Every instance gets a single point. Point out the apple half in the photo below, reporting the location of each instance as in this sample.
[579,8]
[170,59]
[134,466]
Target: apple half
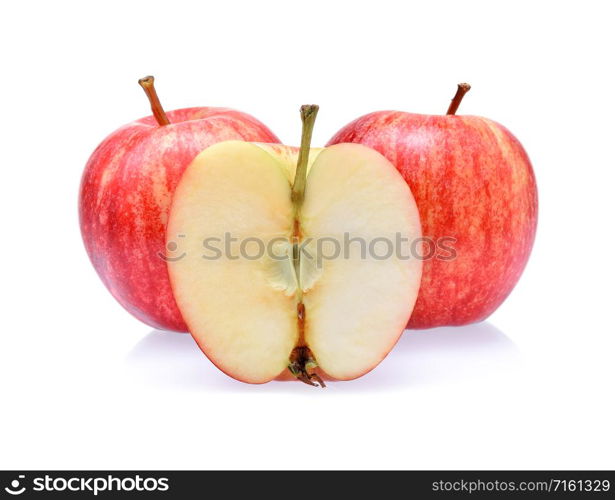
[260,284]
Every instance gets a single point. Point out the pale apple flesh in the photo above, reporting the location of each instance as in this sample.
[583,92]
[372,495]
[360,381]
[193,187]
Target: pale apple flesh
[253,317]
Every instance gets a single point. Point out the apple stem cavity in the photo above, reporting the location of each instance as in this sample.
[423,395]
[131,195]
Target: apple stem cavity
[147,83]
[462,89]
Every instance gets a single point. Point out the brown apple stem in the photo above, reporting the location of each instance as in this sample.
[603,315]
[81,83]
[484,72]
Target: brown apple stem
[308,117]
[462,89]
[147,83]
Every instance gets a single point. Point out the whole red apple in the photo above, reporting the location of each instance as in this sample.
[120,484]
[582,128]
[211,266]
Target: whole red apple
[476,192]
[126,192]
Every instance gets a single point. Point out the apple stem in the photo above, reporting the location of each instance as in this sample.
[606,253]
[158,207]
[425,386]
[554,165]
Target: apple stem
[308,117]
[462,89]
[147,83]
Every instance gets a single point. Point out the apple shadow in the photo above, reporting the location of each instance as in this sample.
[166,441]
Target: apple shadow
[420,358]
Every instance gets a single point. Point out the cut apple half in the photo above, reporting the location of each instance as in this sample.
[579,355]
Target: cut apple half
[294,259]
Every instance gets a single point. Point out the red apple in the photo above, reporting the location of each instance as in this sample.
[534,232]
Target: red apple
[289,307]
[126,192]
[472,181]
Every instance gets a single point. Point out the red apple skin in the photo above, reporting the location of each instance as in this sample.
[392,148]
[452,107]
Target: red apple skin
[125,197]
[473,181]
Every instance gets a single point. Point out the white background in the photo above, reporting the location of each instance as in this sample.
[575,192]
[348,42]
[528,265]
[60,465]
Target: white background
[84,385]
